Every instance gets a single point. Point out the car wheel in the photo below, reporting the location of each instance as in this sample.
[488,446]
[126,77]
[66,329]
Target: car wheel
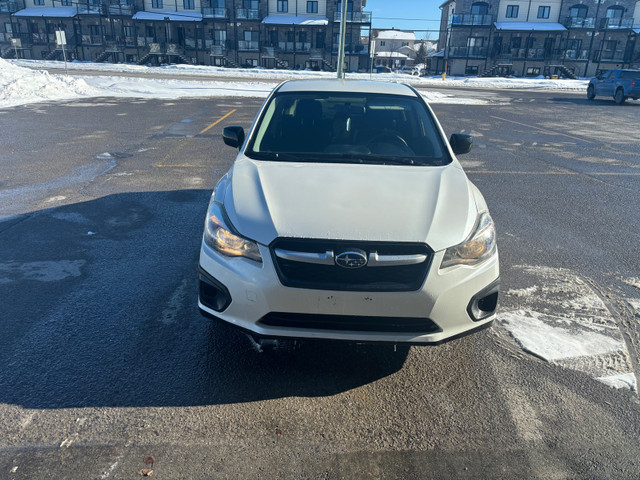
[591,93]
[619,96]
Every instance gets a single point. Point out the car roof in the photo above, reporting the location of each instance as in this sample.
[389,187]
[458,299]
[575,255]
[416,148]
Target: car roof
[349,86]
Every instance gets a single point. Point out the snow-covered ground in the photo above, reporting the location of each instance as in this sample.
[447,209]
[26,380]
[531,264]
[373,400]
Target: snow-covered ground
[24,81]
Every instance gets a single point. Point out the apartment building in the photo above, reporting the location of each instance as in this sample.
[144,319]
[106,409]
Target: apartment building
[235,33]
[538,37]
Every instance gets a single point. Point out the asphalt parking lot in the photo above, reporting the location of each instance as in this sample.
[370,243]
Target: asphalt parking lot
[105,361]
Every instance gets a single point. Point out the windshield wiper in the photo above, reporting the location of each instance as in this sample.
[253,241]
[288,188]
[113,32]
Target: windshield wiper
[378,159]
[277,156]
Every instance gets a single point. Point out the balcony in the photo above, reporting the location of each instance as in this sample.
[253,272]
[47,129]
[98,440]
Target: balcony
[579,22]
[120,9]
[301,47]
[144,41]
[351,49]
[8,7]
[616,23]
[468,52]
[114,46]
[89,9]
[608,56]
[356,17]
[249,45]
[92,39]
[470,20]
[576,55]
[247,14]
[210,12]
[218,51]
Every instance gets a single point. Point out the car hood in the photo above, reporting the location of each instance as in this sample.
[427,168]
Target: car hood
[265,200]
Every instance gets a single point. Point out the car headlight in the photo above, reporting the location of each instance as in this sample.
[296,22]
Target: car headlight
[222,237]
[480,245]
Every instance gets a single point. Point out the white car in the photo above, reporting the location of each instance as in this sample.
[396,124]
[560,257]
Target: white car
[347,216]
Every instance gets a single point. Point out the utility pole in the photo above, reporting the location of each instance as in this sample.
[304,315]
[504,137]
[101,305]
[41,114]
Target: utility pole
[343,33]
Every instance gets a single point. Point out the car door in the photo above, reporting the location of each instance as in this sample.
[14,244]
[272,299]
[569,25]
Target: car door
[605,85]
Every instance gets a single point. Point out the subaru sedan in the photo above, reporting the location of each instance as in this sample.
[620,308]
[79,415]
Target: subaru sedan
[346,216]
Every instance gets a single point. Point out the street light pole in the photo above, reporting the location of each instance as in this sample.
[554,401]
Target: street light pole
[343,33]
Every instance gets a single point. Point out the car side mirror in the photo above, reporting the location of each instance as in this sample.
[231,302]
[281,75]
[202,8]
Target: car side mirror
[461,143]
[233,136]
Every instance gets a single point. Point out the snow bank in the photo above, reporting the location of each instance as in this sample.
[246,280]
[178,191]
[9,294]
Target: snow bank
[20,85]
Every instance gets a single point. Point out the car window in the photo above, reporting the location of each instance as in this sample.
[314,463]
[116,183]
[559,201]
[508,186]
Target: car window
[333,126]
[629,75]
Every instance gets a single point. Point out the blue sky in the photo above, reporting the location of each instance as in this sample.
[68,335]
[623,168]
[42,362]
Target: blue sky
[416,13]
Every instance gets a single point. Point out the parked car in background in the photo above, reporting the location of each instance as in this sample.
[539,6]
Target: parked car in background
[347,216]
[382,69]
[619,84]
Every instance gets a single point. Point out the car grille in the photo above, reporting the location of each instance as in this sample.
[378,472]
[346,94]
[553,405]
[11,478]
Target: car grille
[370,278]
[350,322]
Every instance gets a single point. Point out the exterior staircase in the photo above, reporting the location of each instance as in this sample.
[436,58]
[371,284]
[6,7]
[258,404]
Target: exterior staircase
[497,70]
[103,56]
[566,72]
[9,53]
[144,59]
[328,66]
[54,55]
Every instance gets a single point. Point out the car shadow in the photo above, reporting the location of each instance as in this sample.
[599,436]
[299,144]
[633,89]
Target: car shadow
[98,308]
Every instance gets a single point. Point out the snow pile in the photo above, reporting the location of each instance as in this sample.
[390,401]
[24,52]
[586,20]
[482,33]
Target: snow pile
[20,85]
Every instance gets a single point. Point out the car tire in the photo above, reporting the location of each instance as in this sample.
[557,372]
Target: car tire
[591,93]
[619,96]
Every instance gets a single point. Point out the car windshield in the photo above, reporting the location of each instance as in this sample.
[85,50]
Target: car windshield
[347,128]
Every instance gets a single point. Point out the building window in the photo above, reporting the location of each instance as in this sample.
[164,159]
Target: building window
[8,28]
[479,8]
[251,36]
[188,4]
[574,44]
[543,12]
[302,37]
[66,3]
[312,7]
[283,6]
[95,30]
[128,31]
[578,11]
[291,37]
[471,70]
[516,42]
[156,4]
[405,44]
[38,2]
[382,43]
[320,39]
[219,37]
[615,12]
[533,71]
[512,11]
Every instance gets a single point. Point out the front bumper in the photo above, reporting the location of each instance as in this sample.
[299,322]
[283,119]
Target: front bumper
[449,304]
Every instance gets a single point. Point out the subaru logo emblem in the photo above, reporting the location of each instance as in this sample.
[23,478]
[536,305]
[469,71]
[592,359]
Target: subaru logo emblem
[351,259]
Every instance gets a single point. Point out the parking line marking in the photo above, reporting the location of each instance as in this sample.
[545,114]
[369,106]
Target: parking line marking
[180,145]
[218,121]
[542,129]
